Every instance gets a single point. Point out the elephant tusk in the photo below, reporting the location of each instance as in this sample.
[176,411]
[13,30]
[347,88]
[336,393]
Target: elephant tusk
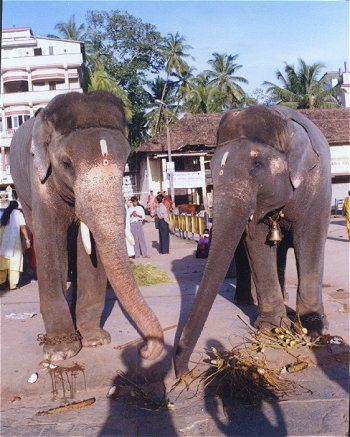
[251,217]
[85,236]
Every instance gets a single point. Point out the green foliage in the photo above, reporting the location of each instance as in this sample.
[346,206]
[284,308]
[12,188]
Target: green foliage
[223,77]
[124,53]
[300,88]
[131,50]
[70,30]
[102,81]
[174,51]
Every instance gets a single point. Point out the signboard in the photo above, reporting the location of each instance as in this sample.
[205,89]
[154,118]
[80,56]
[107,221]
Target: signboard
[183,179]
[170,167]
[340,163]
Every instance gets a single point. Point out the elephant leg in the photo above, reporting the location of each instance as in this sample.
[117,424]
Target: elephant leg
[50,243]
[263,263]
[91,296]
[243,277]
[309,252]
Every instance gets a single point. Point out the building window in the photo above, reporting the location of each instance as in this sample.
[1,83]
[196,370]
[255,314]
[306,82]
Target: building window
[52,85]
[50,50]
[15,121]
[8,123]
[38,52]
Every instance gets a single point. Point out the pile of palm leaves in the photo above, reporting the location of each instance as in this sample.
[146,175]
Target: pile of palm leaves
[247,374]
[148,274]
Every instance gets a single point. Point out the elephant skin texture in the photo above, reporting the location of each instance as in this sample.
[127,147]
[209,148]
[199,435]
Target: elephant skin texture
[67,164]
[268,160]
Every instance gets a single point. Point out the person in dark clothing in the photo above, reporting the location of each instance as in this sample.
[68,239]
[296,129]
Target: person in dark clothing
[203,245]
[162,214]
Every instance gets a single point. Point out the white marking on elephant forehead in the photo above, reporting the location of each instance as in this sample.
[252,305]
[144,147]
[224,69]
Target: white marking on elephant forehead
[104,148]
[224,159]
[277,166]
[253,153]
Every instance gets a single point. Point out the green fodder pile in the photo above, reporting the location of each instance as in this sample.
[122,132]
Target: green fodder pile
[148,274]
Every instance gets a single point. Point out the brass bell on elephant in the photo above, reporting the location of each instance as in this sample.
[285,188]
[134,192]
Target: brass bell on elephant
[275,233]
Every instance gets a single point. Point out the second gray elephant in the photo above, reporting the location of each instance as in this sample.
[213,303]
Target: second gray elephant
[67,164]
[268,160]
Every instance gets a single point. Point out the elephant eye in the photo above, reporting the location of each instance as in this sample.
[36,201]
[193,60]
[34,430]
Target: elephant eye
[66,163]
[256,166]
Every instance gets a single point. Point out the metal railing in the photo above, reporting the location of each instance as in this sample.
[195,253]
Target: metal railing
[189,226]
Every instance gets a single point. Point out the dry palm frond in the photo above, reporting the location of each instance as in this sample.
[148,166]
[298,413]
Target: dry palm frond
[148,274]
[247,377]
[245,371]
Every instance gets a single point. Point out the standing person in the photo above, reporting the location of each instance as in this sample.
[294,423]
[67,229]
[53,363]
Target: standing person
[137,216]
[163,225]
[151,203]
[129,238]
[203,245]
[347,213]
[11,251]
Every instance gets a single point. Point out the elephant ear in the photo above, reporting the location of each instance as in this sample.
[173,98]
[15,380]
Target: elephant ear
[304,146]
[41,136]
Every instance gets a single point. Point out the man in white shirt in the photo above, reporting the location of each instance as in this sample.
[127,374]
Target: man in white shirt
[137,216]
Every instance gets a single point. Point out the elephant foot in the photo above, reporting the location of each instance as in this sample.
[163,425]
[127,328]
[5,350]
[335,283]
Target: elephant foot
[315,323]
[99,337]
[62,351]
[269,321]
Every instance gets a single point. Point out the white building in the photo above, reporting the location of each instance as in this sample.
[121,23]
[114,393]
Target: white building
[33,70]
[341,78]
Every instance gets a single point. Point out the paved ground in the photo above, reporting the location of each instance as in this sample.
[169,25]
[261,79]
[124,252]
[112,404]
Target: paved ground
[320,408]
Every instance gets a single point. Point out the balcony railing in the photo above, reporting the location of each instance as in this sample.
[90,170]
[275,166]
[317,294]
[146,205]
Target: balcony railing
[72,60]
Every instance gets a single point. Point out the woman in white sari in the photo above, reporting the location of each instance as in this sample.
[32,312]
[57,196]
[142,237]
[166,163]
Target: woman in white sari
[11,251]
[129,238]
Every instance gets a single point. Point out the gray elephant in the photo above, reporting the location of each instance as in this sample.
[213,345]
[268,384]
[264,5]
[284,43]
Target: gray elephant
[67,164]
[268,160]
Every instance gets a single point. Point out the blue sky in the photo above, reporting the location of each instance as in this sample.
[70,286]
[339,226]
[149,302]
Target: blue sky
[265,34]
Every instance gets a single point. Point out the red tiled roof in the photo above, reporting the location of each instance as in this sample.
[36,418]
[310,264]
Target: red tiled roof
[200,129]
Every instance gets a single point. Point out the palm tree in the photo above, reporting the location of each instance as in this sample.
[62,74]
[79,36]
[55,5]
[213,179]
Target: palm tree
[100,80]
[223,77]
[183,87]
[155,122]
[70,30]
[301,88]
[175,52]
[204,97]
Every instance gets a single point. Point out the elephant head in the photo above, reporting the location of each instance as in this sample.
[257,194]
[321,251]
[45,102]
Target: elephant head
[261,160]
[79,148]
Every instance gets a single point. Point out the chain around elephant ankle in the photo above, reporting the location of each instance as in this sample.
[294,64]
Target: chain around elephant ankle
[58,339]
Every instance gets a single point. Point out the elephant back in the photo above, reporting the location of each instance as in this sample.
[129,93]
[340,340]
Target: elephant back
[258,124]
[71,111]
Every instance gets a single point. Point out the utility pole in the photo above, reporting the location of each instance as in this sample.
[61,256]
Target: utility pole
[170,166]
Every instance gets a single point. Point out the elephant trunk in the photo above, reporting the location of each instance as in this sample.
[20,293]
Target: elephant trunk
[230,219]
[105,218]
